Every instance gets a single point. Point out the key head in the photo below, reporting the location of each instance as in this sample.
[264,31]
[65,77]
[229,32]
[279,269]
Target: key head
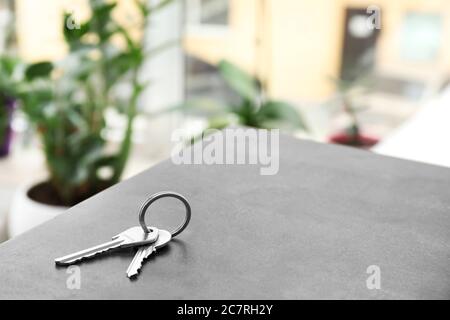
[164,238]
[135,236]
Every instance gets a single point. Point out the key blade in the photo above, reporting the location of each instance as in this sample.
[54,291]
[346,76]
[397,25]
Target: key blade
[149,251]
[134,236]
[144,252]
[136,263]
[90,252]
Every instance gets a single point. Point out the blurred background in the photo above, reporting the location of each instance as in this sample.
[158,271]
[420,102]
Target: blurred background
[91,91]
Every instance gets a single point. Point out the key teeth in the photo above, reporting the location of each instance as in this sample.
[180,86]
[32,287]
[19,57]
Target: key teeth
[134,273]
[61,262]
[136,264]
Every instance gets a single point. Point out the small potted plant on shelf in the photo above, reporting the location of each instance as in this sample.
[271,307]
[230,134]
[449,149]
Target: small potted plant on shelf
[8,82]
[254,107]
[66,103]
[347,92]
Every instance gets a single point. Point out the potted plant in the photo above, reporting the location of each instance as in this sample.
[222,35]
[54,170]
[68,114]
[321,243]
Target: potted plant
[254,108]
[8,68]
[348,92]
[66,102]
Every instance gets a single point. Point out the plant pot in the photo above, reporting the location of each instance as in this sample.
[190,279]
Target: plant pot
[6,134]
[27,212]
[361,141]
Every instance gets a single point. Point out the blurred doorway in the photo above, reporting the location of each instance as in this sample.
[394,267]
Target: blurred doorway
[359,44]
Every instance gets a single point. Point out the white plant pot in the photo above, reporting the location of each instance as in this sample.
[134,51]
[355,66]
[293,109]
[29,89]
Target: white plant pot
[26,213]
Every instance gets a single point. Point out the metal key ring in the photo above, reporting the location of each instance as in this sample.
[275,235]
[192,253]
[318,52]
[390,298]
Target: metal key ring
[160,195]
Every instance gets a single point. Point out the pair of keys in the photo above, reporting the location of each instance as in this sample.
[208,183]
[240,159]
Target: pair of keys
[147,239]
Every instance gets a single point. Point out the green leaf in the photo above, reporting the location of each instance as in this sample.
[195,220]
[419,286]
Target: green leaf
[278,114]
[132,46]
[8,65]
[73,35]
[244,84]
[218,123]
[39,70]
[101,22]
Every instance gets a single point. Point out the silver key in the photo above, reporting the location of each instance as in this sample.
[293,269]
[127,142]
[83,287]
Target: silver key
[129,238]
[145,251]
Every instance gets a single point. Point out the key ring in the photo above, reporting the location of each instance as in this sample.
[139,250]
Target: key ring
[160,195]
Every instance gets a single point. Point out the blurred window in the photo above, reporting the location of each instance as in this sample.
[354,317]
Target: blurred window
[207,12]
[421,37]
[410,89]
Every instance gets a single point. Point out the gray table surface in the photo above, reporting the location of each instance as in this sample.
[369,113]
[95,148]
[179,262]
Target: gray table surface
[309,232]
